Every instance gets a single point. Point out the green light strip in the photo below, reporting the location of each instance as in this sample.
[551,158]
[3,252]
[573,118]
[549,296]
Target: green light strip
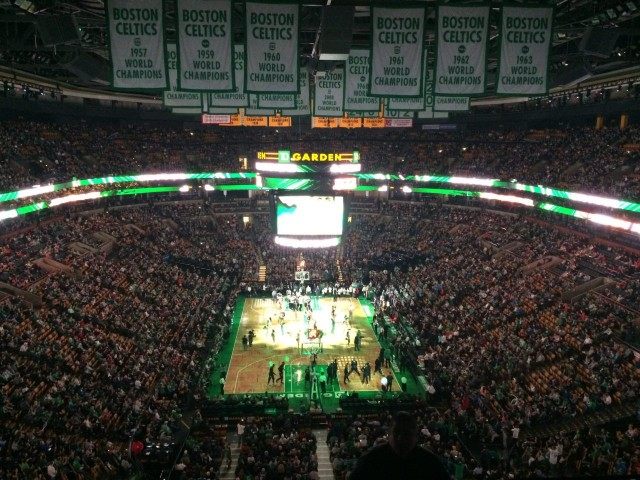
[34,207]
[550,207]
[446,191]
[137,191]
[597,218]
[617,204]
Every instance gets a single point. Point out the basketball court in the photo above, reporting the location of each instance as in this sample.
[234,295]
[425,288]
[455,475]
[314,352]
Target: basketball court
[293,337]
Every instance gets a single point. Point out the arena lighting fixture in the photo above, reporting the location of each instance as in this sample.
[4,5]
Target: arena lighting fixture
[580,197]
[506,198]
[151,177]
[307,242]
[380,176]
[592,217]
[484,182]
[36,190]
[345,183]
[277,167]
[345,168]
[406,189]
[184,188]
[6,214]
[383,188]
[209,188]
[609,221]
[79,197]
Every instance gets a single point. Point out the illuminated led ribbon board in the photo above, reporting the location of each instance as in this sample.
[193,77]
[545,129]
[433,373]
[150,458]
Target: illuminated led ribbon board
[608,202]
[596,218]
[149,177]
[539,190]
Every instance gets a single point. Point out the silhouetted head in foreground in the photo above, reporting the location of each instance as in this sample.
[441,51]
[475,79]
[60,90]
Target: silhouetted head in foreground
[403,434]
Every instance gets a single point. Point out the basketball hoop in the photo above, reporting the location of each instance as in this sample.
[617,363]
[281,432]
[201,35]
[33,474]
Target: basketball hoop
[302,276]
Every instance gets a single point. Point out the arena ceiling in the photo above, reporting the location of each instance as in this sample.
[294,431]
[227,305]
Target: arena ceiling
[66,41]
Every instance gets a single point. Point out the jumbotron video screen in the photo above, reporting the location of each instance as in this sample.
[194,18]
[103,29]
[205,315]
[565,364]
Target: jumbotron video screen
[307,215]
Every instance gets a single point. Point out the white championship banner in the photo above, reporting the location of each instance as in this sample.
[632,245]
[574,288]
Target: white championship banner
[302,102]
[417,103]
[237,98]
[136,44]
[205,51]
[357,83]
[451,104]
[462,35]
[173,97]
[525,41]
[428,114]
[276,100]
[207,108]
[329,94]
[254,111]
[397,52]
[272,47]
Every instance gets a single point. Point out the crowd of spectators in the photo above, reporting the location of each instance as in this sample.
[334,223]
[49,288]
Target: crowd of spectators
[277,449]
[116,345]
[582,158]
[501,338]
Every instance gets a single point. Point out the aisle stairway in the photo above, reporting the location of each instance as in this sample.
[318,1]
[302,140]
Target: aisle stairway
[229,473]
[325,472]
[262,273]
[338,257]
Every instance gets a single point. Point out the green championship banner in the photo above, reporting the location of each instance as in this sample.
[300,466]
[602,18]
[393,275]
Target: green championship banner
[237,98]
[205,53]
[329,94]
[462,34]
[389,113]
[429,99]
[397,52]
[272,47]
[136,44]
[363,114]
[302,102]
[428,88]
[525,41]
[451,104]
[187,110]
[276,100]
[357,83]
[173,97]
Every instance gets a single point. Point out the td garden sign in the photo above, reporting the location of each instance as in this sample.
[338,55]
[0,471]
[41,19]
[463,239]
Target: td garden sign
[287,156]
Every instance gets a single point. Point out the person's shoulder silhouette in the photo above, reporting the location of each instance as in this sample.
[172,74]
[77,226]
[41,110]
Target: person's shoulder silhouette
[401,458]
